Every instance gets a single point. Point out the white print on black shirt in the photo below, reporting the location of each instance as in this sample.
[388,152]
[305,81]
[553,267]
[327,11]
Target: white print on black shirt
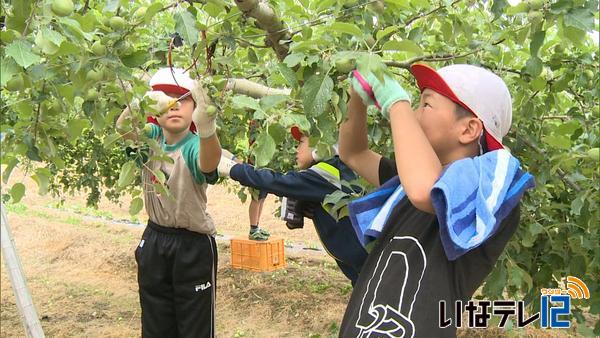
[387,313]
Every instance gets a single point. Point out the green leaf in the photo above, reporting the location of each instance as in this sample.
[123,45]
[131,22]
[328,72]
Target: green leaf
[111,5]
[447,31]
[288,74]
[49,41]
[21,10]
[558,141]
[152,10]
[498,8]
[348,28]
[278,132]
[534,66]
[68,48]
[42,178]
[594,153]
[271,101]
[568,128]
[136,206]
[371,63]
[185,25]
[536,42]
[135,59]
[578,203]
[245,102]
[20,51]
[518,276]
[576,35]
[403,46]
[17,191]
[53,36]
[577,266]
[213,9]
[536,229]
[522,7]
[294,59]
[289,120]
[8,68]
[252,56]
[75,127]
[580,18]
[385,32]
[265,149]
[496,281]
[127,174]
[538,83]
[74,28]
[8,169]
[316,93]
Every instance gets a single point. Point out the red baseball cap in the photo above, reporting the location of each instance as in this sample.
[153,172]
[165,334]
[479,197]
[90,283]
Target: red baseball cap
[476,89]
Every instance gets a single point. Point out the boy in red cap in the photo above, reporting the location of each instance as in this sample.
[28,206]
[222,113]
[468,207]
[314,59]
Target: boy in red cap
[306,190]
[177,255]
[446,206]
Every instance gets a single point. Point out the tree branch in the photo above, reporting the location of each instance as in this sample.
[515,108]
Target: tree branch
[253,89]
[568,181]
[268,20]
[444,57]
[248,43]
[415,18]
[37,116]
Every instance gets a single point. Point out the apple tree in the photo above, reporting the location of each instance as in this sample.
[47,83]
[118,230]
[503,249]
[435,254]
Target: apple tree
[70,67]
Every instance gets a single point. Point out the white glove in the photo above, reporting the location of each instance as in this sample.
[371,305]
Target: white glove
[160,101]
[225,165]
[227,153]
[316,157]
[205,121]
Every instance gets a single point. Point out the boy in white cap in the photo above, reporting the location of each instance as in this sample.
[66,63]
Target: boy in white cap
[177,255]
[446,206]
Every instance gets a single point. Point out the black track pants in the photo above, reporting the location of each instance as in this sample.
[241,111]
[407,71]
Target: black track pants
[177,281]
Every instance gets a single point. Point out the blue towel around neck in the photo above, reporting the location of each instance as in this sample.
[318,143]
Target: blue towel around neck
[470,199]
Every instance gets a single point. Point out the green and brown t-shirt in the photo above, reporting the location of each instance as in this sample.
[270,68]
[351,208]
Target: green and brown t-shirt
[186,208]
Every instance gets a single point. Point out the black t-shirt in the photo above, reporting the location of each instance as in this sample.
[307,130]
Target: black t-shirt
[398,290]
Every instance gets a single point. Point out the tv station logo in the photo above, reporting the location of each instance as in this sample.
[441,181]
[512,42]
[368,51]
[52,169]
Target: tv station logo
[555,309]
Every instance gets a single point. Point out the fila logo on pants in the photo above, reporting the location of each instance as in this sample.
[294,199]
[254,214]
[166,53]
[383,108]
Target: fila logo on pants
[202,287]
[386,310]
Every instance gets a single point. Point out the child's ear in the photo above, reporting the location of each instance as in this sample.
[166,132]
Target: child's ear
[471,128]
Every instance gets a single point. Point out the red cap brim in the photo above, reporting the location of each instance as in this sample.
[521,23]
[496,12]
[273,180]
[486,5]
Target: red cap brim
[427,77]
[296,133]
[169,88]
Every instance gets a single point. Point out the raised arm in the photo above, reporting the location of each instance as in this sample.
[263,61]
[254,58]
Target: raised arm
[204,117]
[354,144]
[159,102]
[417,163]
[303,185]
[120,125]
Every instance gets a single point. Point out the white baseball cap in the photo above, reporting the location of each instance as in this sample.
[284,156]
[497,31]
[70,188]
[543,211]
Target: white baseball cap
[476,89]
[172,80]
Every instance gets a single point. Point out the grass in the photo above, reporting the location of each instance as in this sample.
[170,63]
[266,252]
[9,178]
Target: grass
[16,208]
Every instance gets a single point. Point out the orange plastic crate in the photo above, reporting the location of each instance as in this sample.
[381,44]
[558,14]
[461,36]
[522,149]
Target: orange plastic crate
[257,255]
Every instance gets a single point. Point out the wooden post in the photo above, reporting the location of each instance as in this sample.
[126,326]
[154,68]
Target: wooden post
[29,317]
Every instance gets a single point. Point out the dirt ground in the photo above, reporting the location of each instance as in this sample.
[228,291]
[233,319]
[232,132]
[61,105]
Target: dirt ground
[81,273]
